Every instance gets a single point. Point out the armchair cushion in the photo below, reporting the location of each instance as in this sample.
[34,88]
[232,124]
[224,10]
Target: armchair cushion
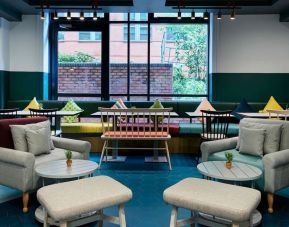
[19,134]
[252,141]
[5,132]
[272,135]
[38,141]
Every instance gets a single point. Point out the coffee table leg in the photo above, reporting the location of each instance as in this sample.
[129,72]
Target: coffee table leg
[252,184]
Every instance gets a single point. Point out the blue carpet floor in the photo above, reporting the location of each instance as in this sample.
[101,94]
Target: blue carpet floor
[147,208]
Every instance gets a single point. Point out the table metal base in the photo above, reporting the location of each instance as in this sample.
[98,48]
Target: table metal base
[162,159]
[114,159]
[257,218]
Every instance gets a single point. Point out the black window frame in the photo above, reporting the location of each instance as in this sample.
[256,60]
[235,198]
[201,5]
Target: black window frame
[103,25]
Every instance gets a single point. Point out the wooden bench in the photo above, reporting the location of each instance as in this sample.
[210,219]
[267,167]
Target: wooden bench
[135,124]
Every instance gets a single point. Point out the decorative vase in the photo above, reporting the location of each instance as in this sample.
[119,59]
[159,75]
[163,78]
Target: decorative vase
[69,163]
[229,165]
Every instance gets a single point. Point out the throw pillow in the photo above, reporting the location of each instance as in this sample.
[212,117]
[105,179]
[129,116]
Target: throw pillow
[33,105]
[242,107]
[272,135]
[71,106]
[19,135]
[38,141]
[157,105]
[119,104]
[252,141]
[272,105]
[204,105]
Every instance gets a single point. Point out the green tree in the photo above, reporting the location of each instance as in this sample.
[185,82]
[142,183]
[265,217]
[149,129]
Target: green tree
[79,57]
[191,54]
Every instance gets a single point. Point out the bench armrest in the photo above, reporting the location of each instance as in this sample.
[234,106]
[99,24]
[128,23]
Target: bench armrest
[210,147]
[73,145]
[276,170]
[16,169]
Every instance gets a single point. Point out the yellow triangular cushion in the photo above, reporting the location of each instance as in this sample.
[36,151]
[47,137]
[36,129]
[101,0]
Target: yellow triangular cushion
[33,104]
[272,105]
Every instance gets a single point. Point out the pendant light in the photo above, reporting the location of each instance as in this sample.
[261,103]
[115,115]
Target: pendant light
[55,15]
[206,15]
[68,17]
[81,17]
[219,17]
[94,16]
[179,14]
[233,14]
[193,15]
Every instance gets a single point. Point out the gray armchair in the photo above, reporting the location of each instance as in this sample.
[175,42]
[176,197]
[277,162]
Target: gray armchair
[17,167]
[275,165]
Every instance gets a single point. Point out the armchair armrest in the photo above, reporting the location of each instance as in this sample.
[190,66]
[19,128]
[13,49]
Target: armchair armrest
[17,169]
[73,145]
[276,170]
[210,147]
[17,158]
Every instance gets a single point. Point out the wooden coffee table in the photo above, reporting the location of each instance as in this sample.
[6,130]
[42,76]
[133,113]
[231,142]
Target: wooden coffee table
[240,172]
[58,170]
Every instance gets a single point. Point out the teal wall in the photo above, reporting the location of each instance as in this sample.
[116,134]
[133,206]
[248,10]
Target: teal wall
[3,88]
[26,85]
[255,87]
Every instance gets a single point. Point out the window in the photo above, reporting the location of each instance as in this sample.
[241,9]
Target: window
[138,32]
[170,65]
[132,33]
[89,36]
[60,36]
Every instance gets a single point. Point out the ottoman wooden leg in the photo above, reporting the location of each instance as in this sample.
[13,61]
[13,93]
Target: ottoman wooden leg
[174,215]
[45,222]
[192,216]
[100,222]
[121,214]
[102,152]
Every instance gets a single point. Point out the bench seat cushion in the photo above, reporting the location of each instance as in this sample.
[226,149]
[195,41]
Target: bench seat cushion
[134,134]
[197,128]
[222,200]
[64,201]
[82,127]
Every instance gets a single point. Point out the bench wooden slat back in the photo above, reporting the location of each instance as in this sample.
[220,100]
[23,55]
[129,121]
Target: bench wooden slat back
[135,122]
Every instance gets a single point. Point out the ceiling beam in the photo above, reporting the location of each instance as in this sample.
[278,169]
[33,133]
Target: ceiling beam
[57,3]
[219,3]
[9,13]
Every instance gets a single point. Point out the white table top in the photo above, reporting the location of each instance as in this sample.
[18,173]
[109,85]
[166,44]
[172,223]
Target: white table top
[199,114]
[263,115]
[238,172]
[58,169]
[58,113]
[166,114]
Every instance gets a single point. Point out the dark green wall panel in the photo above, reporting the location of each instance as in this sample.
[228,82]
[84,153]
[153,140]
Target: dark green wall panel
[26,85]
[255,87]
[3,88]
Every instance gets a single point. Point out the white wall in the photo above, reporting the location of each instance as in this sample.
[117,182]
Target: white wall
[251,44]
[4,44]
[28,45]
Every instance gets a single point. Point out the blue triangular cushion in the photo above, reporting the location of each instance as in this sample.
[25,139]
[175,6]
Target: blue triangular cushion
[242,107]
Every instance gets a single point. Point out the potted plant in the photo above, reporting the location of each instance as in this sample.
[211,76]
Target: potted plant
[229,156]
[68,155]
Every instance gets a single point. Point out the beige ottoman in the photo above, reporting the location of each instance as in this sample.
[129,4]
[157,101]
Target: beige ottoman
[70,202]
[224,201]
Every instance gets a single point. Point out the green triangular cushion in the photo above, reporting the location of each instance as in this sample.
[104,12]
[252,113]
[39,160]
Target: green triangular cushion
[157,105]
[71,106]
